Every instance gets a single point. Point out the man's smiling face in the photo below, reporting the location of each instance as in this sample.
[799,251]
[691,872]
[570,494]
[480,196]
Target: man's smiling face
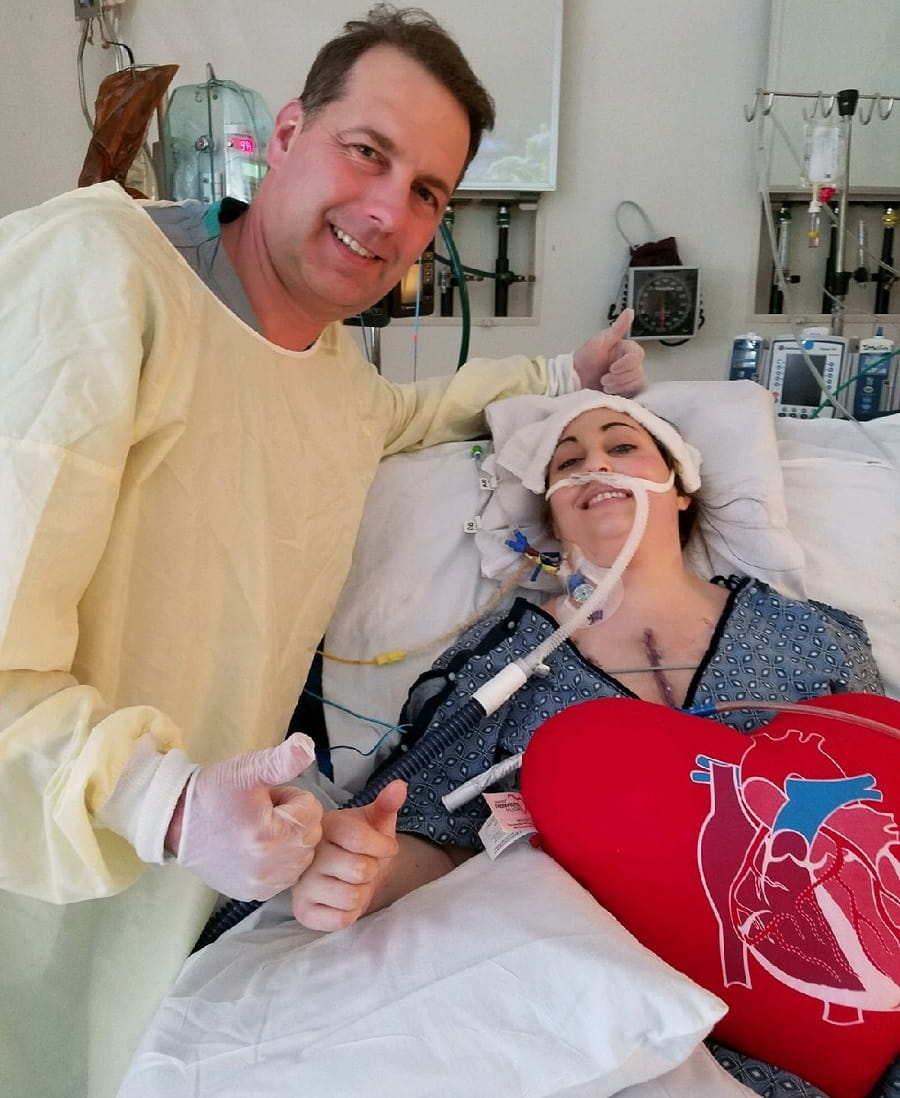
[355,192]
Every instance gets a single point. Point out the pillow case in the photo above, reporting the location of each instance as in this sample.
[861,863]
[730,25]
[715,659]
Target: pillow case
[766,867]
[413,582]
[501,978]
[842,488]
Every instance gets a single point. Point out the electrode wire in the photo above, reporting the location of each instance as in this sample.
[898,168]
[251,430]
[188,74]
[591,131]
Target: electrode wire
[397,655]
[401,728]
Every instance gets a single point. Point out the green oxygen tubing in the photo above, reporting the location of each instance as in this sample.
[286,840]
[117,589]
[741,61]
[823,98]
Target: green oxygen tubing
[456,267]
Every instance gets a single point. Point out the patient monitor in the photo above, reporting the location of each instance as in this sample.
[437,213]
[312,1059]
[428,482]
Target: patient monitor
[794,387]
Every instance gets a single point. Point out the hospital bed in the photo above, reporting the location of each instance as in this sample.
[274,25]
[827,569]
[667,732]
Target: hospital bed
[505,977]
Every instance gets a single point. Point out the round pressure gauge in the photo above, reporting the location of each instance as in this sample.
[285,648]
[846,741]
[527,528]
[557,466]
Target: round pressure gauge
[666,301]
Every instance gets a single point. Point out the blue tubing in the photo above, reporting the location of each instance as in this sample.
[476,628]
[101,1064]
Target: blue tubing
[425,752]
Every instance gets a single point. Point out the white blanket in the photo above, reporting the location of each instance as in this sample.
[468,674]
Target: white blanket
[502,979]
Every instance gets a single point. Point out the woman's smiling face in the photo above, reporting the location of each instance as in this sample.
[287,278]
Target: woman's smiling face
[603,440]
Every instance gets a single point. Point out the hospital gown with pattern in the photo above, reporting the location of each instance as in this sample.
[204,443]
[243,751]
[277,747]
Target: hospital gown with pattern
[766,647]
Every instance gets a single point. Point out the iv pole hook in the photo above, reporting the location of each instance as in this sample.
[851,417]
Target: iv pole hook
[767,99]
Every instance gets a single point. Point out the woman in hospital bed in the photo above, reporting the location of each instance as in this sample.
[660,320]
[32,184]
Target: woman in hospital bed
[663,635]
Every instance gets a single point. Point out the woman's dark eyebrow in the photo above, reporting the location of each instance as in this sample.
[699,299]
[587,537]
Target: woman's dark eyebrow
[604,427]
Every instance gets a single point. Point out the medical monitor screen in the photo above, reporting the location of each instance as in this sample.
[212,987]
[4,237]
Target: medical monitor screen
[800,387]
[409,285]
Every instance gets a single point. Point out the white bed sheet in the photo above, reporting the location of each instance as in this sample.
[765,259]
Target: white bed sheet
[842,487]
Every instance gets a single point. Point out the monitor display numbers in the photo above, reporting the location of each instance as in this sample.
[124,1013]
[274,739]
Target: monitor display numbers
[243,143]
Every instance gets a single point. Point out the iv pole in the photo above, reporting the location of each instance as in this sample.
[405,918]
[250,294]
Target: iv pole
[847,101]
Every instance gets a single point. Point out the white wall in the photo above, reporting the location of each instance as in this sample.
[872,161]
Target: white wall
[651,110]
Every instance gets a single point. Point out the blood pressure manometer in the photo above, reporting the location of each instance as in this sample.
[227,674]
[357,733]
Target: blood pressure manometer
[666,302]
[796,390]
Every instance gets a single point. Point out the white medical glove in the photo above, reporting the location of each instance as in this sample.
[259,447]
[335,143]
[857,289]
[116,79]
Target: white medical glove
[242,831]
[611,362]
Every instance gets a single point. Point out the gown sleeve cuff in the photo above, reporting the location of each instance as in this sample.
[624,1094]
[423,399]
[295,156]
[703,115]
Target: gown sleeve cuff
[561,375]
[140,806]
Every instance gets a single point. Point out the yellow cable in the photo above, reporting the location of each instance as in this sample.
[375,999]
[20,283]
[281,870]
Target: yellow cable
[396,655]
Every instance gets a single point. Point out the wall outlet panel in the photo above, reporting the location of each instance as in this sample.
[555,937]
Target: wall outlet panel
[87,9]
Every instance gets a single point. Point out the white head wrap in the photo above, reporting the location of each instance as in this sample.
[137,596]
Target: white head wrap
[527,451]
[526,430]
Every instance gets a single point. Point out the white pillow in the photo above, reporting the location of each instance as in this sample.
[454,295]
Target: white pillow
[501,978]
[843,499]
[416,575]
[414,581]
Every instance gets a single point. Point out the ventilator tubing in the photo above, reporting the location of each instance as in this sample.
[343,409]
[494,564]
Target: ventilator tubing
[428,750]
[225,918]
[582,617]
[639,488]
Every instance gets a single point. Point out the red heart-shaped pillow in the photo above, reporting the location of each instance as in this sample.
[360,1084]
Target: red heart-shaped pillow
[764,866]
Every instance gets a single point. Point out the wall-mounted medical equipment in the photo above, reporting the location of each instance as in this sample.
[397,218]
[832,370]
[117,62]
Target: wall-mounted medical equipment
[664,293]
[413,296]
[414,293]
[781,266]
[666,302]
[486,257]
[748,358]
[87,9]
[810,281]
[797,390]
[214,141]
[822,188]
[875,370]
[466,292]
[885,277]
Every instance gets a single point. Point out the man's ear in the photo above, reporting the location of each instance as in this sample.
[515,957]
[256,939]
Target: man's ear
[288,122]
